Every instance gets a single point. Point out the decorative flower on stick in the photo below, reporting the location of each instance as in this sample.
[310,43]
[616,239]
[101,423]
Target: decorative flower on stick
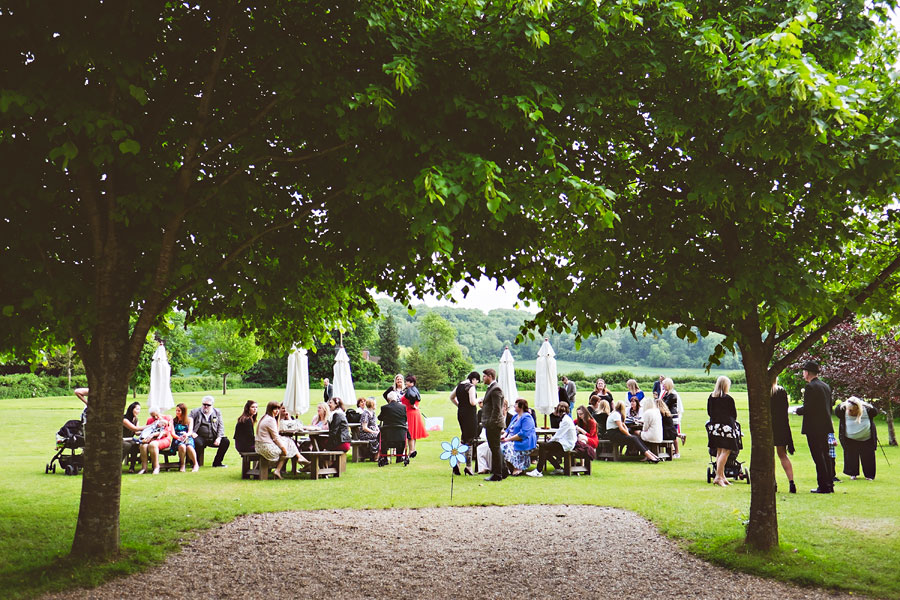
[455,453]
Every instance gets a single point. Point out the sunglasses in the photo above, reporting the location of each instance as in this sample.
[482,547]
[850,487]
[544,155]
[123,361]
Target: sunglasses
[207,405]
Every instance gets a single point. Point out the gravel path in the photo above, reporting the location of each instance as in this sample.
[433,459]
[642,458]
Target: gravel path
[458,552]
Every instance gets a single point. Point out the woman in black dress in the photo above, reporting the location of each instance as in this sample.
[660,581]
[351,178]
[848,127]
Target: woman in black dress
[464,397]
[781,431]
[722,429]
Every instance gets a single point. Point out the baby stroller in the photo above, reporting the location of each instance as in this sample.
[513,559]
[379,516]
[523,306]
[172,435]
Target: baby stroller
[393,442]
[69,437]
[734,469]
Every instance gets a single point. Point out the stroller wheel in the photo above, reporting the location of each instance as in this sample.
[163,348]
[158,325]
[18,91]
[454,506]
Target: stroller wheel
[47,470]
[406,462]
[70,470]
[382,462]
[709,475]
[747,476]
[53,469]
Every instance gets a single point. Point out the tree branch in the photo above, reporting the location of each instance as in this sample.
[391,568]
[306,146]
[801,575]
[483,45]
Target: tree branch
[302,157]
[240,248]
[863,295]
[256,119]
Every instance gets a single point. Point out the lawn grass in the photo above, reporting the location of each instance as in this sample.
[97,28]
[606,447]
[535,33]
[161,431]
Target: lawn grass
[850,540]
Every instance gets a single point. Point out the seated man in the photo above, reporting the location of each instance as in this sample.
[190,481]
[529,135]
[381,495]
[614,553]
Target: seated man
[394,430]
[562,441]
[209,430]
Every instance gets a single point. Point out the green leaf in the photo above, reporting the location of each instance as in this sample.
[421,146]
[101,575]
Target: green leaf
[8,310]
[129,147]
[139,94]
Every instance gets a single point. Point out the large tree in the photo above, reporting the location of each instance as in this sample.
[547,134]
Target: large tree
[754,153]
[267,163]
[388,346]
[221,349]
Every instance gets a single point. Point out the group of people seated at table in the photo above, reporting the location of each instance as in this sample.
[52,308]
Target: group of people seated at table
[185,435]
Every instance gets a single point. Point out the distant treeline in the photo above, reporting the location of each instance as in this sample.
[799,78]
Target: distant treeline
[485,335]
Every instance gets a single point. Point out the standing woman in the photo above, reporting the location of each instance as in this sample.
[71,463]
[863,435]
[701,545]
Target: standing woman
[722,429]
[856,430]
[635,398]
[397,386]
[781,431]
[464,397]
[244,437]
[414,419]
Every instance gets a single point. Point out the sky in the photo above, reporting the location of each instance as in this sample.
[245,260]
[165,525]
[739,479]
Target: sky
[484,296]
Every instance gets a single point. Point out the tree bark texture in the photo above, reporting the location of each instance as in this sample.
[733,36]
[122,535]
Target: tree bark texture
[762,530]
[97,530]
[889,420]
[224,386]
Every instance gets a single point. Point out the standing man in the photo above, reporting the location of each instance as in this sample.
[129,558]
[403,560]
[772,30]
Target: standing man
[657,387]
[329,390]
[209,430]
[570,393]
[494,420]
[816,411]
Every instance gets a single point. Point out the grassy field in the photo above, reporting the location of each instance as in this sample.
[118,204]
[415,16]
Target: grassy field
[589,369]
[850,540]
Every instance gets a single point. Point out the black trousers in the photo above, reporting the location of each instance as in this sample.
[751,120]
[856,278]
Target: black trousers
[632,441]
[856,452]
[818,448]
[200,444]
[552,451]
[498,465]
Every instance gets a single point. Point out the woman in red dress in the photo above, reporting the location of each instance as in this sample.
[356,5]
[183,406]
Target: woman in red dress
[414,420]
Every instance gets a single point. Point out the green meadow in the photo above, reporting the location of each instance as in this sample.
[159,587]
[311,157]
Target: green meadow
[850,540]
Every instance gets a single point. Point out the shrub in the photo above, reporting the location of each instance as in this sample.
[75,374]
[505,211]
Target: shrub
[618,376]
[525,376]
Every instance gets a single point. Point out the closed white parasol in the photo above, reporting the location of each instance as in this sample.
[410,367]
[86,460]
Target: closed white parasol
[160,396]
[296,394]
[506,379]
[546,391]
[343,381]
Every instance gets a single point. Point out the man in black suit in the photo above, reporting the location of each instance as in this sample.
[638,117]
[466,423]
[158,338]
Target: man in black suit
[494,420]
[393,425]
[328,392]
[816,411]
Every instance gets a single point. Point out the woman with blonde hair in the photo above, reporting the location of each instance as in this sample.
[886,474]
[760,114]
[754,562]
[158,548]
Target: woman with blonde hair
[722,429]
[676,410]
[856,430]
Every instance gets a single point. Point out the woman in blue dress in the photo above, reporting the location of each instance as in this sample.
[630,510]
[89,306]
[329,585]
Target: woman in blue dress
[183,442]
[520,439]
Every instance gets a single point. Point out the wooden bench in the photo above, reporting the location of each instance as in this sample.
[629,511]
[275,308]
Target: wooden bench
[320,463]
[254,466]
[664,449]
[360,451]
[606,450]
[576,464]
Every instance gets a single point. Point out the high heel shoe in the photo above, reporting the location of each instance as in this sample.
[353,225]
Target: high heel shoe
[793,488]
[468,471]
[456,470]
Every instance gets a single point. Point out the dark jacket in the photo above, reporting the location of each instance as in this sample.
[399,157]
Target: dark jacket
[328,392]
[393,421]
[493,407]
[816,409]
[244,436]
[338,432]
[213,428]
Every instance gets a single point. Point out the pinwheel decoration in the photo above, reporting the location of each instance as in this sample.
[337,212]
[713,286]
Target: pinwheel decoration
[455,452]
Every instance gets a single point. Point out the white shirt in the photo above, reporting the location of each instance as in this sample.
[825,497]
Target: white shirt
[653,430]
[567,435]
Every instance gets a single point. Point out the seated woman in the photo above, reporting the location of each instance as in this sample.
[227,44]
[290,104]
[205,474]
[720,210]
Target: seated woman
[634,409]
[635,398]
[244,428]
[269,444]
[130,428]
[183,440]
[600,417]
[368,426]
[156,437]
[338,431]
[652,430]
[676,410]
[320,421]
[520,439]
[617,433]
[601,392]
[586,427]
[669,429]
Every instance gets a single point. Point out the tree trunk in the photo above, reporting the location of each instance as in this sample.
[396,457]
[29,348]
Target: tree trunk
[224,387]
[762,530]
[97,530]
[889,419]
